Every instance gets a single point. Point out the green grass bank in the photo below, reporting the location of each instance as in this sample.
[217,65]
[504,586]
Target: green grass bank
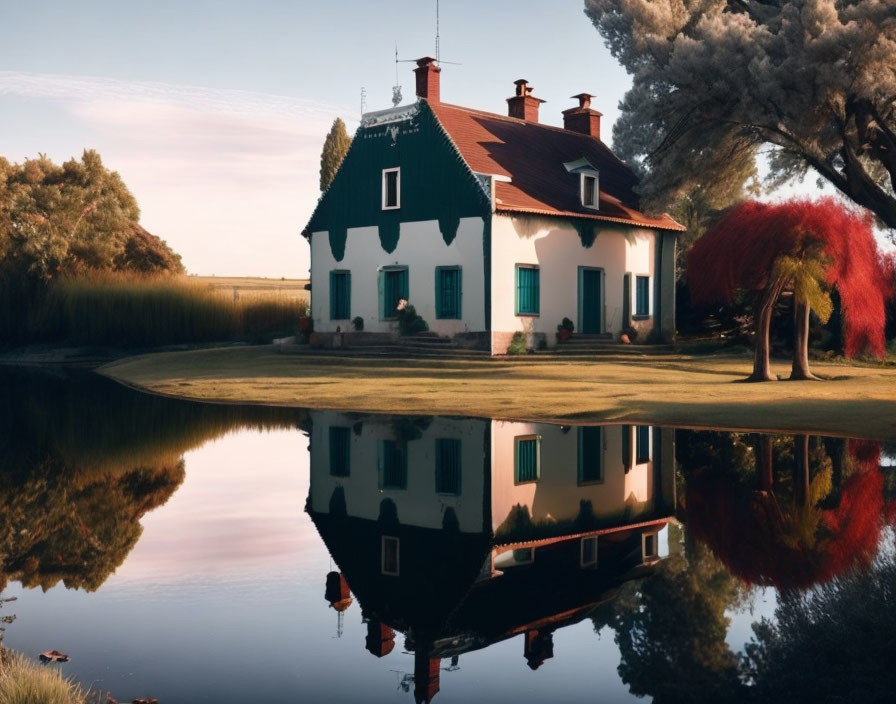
[673,389]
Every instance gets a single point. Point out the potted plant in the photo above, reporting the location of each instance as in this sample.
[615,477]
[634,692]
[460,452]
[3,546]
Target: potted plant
[565,329]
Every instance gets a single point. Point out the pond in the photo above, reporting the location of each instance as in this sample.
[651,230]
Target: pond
[210,553]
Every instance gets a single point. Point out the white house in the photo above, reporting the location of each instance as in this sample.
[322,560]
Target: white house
[489,225]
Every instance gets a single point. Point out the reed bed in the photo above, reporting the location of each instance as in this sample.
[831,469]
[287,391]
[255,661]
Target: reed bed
[129,311]
[24,681]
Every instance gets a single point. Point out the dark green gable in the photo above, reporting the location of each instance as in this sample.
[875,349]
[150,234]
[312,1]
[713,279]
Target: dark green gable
[436,183]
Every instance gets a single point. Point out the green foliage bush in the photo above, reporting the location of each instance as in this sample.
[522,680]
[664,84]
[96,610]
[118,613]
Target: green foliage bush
[409,323]
[517,344]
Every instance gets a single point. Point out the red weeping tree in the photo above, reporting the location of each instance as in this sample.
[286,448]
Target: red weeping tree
[810,247]
[767,535]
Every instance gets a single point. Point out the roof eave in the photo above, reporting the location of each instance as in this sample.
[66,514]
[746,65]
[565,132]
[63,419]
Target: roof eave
[671,225]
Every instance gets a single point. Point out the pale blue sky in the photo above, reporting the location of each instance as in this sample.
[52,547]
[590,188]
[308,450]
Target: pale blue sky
[214,112]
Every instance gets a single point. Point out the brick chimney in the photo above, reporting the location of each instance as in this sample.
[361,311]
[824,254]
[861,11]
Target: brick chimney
[583,119]
[428,79]
[523,105]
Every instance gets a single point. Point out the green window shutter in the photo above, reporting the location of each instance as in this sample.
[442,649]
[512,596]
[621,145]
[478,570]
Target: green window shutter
[448,466]
[393,465]
[448,292]
[626,300]
[590,469]
[642,295]
[340,295]
[627,447]
[642,444]
[527,290]
[526,459]
[340,449]
[394,287]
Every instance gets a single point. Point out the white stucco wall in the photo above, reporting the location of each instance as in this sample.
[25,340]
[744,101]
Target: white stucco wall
[418,504]
[558,252]
[556,494]
[421,248]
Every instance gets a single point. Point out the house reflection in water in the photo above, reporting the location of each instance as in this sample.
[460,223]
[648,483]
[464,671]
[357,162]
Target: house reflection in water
[460,533]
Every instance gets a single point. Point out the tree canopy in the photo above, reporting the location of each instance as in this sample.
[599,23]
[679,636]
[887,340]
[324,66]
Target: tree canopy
[714,80]
[809,247]
[335,147]
[63,220]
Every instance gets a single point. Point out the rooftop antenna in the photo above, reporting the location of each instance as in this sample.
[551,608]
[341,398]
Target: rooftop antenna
[363,100]
[437,32]
[396,89]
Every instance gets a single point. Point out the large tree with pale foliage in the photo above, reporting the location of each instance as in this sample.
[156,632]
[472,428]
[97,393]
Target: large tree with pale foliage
[335,147]
[716,80]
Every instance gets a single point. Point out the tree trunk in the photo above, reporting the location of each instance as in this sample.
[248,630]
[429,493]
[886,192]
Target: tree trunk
[762,370]
[800,368]
[765,462]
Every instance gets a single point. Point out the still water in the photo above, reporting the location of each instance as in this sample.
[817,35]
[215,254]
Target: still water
[202,553]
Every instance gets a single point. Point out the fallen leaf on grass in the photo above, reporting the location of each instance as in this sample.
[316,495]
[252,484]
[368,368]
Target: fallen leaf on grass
[53,656]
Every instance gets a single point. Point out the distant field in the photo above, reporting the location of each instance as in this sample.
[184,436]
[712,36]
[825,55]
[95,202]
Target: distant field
[254,287]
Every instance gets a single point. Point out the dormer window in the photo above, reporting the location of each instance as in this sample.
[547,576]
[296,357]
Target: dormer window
[391,189]
[589,187]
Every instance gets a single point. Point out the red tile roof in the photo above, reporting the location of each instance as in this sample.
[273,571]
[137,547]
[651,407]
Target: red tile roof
[533,155]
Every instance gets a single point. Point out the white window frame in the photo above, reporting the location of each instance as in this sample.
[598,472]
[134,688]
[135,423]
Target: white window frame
[396,170]
[589,563]
[655,555]
[595,194]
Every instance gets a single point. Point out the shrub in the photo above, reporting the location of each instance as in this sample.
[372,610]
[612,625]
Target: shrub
[409,323]
[517,343]
[358,323]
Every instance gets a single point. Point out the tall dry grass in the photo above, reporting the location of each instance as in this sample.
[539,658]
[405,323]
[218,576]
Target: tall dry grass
[23,681]
[131,311]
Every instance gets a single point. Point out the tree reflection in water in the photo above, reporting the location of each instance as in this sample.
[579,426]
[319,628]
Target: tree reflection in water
[82,459]
[804,515]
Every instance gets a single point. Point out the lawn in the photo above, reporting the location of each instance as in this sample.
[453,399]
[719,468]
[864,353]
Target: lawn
[673,389]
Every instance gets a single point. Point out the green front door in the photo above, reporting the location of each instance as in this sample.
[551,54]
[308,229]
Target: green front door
[590,304]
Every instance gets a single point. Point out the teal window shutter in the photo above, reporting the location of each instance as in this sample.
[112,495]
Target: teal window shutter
[626,300]
[448,292]
[642,295]
[590,469]
[526,459]
[642,444]
[627,447]
[340,451]
[394,287]
[448,466]
[527,290]
[393,465]
[340,295]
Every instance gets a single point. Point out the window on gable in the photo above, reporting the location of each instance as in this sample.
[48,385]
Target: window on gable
[448,292]
[649,547]
[340,451]
[448,466]
[340,295]
[527,458]
[391,189]
[527,290]
[588,551]
[590,192]
[642,295]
